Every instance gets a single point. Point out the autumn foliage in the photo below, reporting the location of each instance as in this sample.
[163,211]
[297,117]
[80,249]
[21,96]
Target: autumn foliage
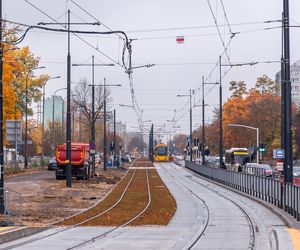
[258,107]
[19,65]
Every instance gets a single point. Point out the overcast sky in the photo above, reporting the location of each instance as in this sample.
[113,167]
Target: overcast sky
[155,24]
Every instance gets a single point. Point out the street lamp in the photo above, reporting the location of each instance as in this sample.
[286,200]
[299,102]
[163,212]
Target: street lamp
[104,120]
[257,137]
[191,135]
[53,134]
[26,111]
[43,120]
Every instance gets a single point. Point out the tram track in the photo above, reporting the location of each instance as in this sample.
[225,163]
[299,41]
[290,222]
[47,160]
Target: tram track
[91,240]
[252,241]
[134,170]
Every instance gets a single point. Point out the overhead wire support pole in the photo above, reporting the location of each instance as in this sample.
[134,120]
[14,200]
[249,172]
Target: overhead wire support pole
[191,127]
[191,122]
[93,113]
[104,122]
[203,118]
[104,129]
[68,129]
[115,140]
[220,117]
[288,160]
[222,165]
[93,139]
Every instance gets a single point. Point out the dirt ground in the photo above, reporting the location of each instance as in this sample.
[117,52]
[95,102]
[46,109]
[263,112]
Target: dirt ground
[47,200]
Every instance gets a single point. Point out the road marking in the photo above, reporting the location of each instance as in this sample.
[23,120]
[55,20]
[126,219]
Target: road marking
[295,234]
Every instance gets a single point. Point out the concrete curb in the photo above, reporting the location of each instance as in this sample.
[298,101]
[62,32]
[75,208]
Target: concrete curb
[288,220]
[20,232]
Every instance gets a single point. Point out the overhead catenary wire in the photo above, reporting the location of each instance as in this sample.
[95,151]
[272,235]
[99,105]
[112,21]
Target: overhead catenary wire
[89,14]
[86,42]
[29,27]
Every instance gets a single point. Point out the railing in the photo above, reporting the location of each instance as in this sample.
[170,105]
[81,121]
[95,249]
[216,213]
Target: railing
[13,211]
[285,196]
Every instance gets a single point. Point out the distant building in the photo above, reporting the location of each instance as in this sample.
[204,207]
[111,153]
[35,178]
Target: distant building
[295,81]
[58,109]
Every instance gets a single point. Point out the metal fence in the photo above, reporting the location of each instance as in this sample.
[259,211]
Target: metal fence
[13,210]
[285,196]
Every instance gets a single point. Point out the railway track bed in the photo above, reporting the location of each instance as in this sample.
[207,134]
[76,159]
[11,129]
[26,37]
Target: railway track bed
[203,219]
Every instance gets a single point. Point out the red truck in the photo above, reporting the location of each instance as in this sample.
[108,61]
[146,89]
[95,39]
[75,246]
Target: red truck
[80,161]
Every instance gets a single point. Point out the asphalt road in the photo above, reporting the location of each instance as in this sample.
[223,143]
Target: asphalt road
[207,217]
[38,176]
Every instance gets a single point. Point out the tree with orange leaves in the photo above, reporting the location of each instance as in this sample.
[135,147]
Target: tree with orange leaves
[17,63]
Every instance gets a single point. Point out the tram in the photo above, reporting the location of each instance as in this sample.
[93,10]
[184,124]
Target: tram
[161,152]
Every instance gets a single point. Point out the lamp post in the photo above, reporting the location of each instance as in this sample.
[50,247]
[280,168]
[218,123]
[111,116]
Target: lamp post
[191,122]
[43,120]
[26,115]
[104,121]
[287,106]
[93,103]
[257,137]
[53,127]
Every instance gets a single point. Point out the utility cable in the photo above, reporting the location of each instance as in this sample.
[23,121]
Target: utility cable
[89,14]
[86,42]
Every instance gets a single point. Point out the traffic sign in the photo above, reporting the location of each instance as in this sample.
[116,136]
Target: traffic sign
[180,39]
[92,145]
[14,130]
[278,153]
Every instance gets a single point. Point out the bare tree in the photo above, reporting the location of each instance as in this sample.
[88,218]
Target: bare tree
[82,100]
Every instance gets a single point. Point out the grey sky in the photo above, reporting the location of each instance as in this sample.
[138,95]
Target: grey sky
[156,88]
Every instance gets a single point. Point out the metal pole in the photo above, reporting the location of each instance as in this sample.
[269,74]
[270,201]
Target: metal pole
[283,122]
[68,131]
[104,129]
[26,111]
[43,123]
[257,146]
[93,112]
[2,208]
[80,119]
[114,149]
[53,134]
[73,123]
[288,160]
[221,117]
[191,131]
[203,123]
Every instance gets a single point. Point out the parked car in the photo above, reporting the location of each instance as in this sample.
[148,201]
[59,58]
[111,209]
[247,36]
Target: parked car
[258,169]
[52,164]
[296,176]
[268,171]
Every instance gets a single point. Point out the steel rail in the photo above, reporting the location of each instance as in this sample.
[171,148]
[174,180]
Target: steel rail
[202,231]
[252,242]
[124,224]
[23,243]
